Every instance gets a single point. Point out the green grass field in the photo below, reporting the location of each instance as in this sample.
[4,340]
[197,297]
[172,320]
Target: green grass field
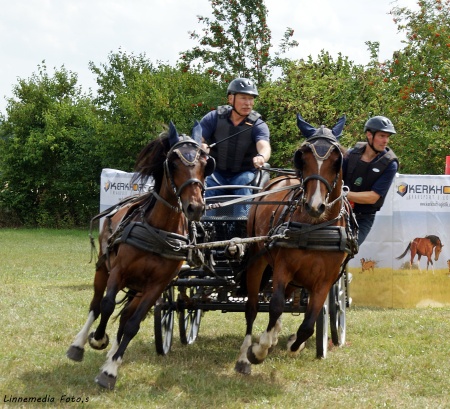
[393,358]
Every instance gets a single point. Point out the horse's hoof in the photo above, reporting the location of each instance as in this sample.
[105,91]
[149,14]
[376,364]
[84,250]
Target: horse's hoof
[106,381]
[98,344]
[252,357]
[243,368]
[292,341]
[75,353]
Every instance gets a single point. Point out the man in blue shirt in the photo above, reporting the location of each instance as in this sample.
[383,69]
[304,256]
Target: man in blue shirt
[239,139]
[369,169]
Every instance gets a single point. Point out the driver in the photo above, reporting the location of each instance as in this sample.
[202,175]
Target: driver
[237,157]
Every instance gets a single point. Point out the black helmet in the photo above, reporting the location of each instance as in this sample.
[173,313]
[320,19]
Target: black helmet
[379,123]
[242,86]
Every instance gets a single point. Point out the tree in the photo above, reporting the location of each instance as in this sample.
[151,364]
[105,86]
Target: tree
[236,42]
[419,78]
[137,99]
[49,171]
[321,91]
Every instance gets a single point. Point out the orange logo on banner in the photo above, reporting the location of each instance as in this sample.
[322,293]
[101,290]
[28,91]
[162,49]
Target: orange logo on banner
[402,189]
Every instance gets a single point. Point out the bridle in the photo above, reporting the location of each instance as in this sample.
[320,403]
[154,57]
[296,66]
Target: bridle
[189,152]
[321,147]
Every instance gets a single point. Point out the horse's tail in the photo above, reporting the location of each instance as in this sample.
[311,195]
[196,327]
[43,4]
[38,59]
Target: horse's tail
[125,302]
[404,253]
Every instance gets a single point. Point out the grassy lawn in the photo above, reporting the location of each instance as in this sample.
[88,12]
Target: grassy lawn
[394,358]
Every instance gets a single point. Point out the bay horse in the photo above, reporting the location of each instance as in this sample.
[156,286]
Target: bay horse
[140,242]
[423,246]
[315,218]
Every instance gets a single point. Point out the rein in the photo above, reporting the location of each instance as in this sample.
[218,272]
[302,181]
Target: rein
[251,197]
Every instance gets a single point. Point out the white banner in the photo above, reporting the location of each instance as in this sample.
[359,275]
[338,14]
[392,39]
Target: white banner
[416,206]
[116,185]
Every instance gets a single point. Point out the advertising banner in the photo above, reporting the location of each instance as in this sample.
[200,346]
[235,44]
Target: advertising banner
[404,260]
[116,185]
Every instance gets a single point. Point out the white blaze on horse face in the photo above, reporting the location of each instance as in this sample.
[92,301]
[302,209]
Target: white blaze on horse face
[316,198]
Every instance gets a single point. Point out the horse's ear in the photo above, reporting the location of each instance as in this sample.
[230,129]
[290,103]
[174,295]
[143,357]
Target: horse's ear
[173,134]
[197,132]
[306,129]
[337,129]
[298,159]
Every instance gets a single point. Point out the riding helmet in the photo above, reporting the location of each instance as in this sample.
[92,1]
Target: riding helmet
[242,86]
[379,123]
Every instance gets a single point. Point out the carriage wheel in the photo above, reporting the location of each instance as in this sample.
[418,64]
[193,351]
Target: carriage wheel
[189,319]
[322,331]
[338,305]
[164,314]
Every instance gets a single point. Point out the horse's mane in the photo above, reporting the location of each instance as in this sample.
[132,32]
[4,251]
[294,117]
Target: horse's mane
[435,240]
[149,163]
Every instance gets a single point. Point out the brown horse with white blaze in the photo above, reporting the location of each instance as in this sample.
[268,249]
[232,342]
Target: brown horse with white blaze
[315,207]
[423,246]
[140,243]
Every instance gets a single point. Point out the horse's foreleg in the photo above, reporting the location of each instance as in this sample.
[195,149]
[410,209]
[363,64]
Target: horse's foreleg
[129,327]
[258,351]
[430,261]
[99,338]
[76,349]
[254,275]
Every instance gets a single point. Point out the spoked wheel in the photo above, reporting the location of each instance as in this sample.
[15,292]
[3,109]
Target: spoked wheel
[338,305]
[322,331]
[164,313]
[189,318]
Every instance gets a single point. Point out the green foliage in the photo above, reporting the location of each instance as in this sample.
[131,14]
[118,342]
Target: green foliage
[321,91]
[419,78]
[49,170]
[235,42]
[137,100]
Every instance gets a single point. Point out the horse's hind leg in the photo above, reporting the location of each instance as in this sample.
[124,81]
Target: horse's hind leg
[306,329]
[76,349]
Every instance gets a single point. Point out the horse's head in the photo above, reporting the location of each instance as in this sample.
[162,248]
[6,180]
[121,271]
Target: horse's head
[318,164]
[437,250]
[187,166]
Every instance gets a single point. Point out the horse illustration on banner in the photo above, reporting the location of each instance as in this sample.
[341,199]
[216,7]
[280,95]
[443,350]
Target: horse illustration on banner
[368,265]
[423,246]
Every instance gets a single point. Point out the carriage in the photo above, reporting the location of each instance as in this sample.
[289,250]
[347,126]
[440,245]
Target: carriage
[168,255]
[217,285]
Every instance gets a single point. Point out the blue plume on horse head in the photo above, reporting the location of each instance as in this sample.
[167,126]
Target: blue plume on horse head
[338,128]
[197,132]
[308,130]
[173,134]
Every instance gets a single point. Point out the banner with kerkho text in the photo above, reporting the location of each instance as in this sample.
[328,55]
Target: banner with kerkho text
[404,261]
[116,185]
